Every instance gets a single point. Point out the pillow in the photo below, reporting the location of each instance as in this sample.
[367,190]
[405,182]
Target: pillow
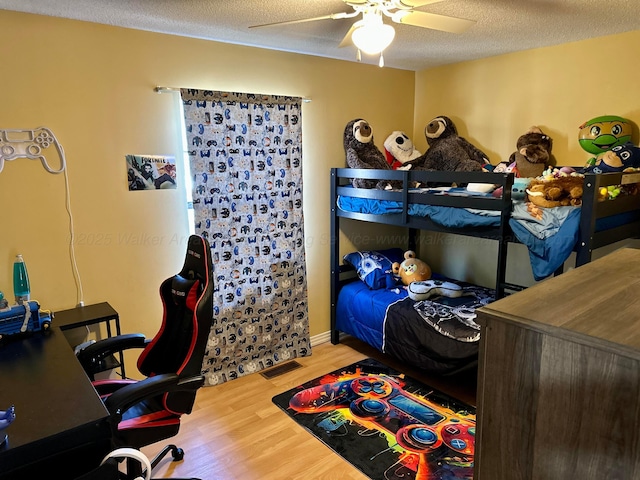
[375,268]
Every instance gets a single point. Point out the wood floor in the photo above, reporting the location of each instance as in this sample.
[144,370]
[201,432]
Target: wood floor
[236,432]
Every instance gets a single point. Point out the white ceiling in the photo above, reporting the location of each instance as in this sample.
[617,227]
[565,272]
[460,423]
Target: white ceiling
[502,25]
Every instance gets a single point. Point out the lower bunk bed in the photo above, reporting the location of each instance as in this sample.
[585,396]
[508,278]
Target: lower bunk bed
[439,335]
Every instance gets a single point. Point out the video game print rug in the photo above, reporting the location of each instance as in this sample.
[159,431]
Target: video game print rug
[387,425]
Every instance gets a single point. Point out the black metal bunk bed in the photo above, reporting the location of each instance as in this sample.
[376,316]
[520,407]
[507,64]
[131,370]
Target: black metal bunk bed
[600,223]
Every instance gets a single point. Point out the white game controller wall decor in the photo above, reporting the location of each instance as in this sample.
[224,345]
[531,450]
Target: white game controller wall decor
[34,144]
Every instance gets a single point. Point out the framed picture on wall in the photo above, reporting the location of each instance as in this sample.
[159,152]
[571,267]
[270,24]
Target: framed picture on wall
[151,172]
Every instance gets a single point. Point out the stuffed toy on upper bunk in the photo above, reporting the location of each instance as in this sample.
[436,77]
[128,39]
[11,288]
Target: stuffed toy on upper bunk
[556,189]
[532,155]
[361,152]
[448,151]
[400,151]
[601,134]
[618,159]
[531,158]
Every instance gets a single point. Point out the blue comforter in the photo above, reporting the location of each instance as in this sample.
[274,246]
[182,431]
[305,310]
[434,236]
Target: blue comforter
[550,235]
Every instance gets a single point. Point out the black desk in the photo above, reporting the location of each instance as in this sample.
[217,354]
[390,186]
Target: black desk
[58,413]
[90,315]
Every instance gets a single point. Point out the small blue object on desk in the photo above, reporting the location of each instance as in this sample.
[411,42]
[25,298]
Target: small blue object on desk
[6,418]
[23,318]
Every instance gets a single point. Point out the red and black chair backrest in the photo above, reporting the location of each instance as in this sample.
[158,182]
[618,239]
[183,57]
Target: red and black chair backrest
[180,344]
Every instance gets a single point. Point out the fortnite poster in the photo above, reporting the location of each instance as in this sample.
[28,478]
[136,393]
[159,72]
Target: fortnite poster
[151,172]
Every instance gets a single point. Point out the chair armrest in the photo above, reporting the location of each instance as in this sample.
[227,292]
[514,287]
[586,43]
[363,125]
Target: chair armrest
[123,399]
[92,355]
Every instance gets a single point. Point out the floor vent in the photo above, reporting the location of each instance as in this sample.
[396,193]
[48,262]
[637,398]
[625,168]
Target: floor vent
[280,369]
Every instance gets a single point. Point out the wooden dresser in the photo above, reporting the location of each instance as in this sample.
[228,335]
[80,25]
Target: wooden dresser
[559,377]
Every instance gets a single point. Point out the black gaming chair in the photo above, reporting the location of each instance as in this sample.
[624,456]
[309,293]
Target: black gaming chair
[147,411]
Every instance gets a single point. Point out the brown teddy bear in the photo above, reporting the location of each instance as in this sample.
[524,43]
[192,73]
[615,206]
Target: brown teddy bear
[411,269]
[556,192]
[533,153]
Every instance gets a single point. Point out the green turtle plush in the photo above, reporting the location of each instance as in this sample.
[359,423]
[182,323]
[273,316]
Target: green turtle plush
[601,134]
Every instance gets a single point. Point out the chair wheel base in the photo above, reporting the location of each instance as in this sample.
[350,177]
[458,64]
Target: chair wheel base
[177,454]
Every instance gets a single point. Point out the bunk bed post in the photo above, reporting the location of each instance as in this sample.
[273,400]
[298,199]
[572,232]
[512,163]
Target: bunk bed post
[587,219]
[504,233]
[412,232]
[334,256]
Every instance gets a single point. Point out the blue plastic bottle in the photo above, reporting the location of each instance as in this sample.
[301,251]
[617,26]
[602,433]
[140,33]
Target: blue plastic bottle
[20,281]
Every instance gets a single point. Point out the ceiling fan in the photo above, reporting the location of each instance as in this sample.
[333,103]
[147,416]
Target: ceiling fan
[371,35]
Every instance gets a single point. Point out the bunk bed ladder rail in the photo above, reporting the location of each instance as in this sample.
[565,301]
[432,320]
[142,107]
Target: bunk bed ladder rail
[336,268]
[505,235]
[334,256]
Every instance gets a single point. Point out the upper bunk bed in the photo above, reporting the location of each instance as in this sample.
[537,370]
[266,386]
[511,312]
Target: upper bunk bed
[438,208]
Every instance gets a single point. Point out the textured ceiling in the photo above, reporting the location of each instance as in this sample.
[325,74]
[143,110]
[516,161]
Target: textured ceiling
[502,25]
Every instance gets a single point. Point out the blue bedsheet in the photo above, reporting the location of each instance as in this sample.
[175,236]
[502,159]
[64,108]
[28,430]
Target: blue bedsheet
[447,216]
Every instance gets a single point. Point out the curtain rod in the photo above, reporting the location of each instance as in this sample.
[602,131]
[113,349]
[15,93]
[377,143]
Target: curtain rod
[160,89]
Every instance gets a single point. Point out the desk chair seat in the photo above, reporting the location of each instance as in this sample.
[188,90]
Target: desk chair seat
[147,411]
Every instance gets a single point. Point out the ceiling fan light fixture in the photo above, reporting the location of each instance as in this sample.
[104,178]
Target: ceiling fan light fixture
[399,15]
[373,36]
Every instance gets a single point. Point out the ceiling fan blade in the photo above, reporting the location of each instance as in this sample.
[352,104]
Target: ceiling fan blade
[416,3]
[396,3]
[332,16]
[432,21]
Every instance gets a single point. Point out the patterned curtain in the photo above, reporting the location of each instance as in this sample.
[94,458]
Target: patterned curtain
[245,153]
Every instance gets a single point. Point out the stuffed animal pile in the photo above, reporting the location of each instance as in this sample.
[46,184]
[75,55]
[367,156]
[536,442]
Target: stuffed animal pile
[361,152]
[447,151]
[556,190]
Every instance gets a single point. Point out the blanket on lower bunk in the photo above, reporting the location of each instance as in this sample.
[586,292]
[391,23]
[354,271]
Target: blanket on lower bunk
[438,335]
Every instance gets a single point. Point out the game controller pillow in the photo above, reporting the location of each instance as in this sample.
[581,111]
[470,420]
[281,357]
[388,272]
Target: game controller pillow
[430,288]
[375,268]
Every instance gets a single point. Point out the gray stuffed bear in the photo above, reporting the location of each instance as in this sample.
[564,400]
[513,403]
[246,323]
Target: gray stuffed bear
[362,153]
[447,151]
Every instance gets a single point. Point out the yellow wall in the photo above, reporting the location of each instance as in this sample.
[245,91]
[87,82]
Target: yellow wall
[495,100]
[92,85]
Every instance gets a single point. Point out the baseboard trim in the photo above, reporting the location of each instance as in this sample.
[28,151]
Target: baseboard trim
[320,338]
[324,338]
